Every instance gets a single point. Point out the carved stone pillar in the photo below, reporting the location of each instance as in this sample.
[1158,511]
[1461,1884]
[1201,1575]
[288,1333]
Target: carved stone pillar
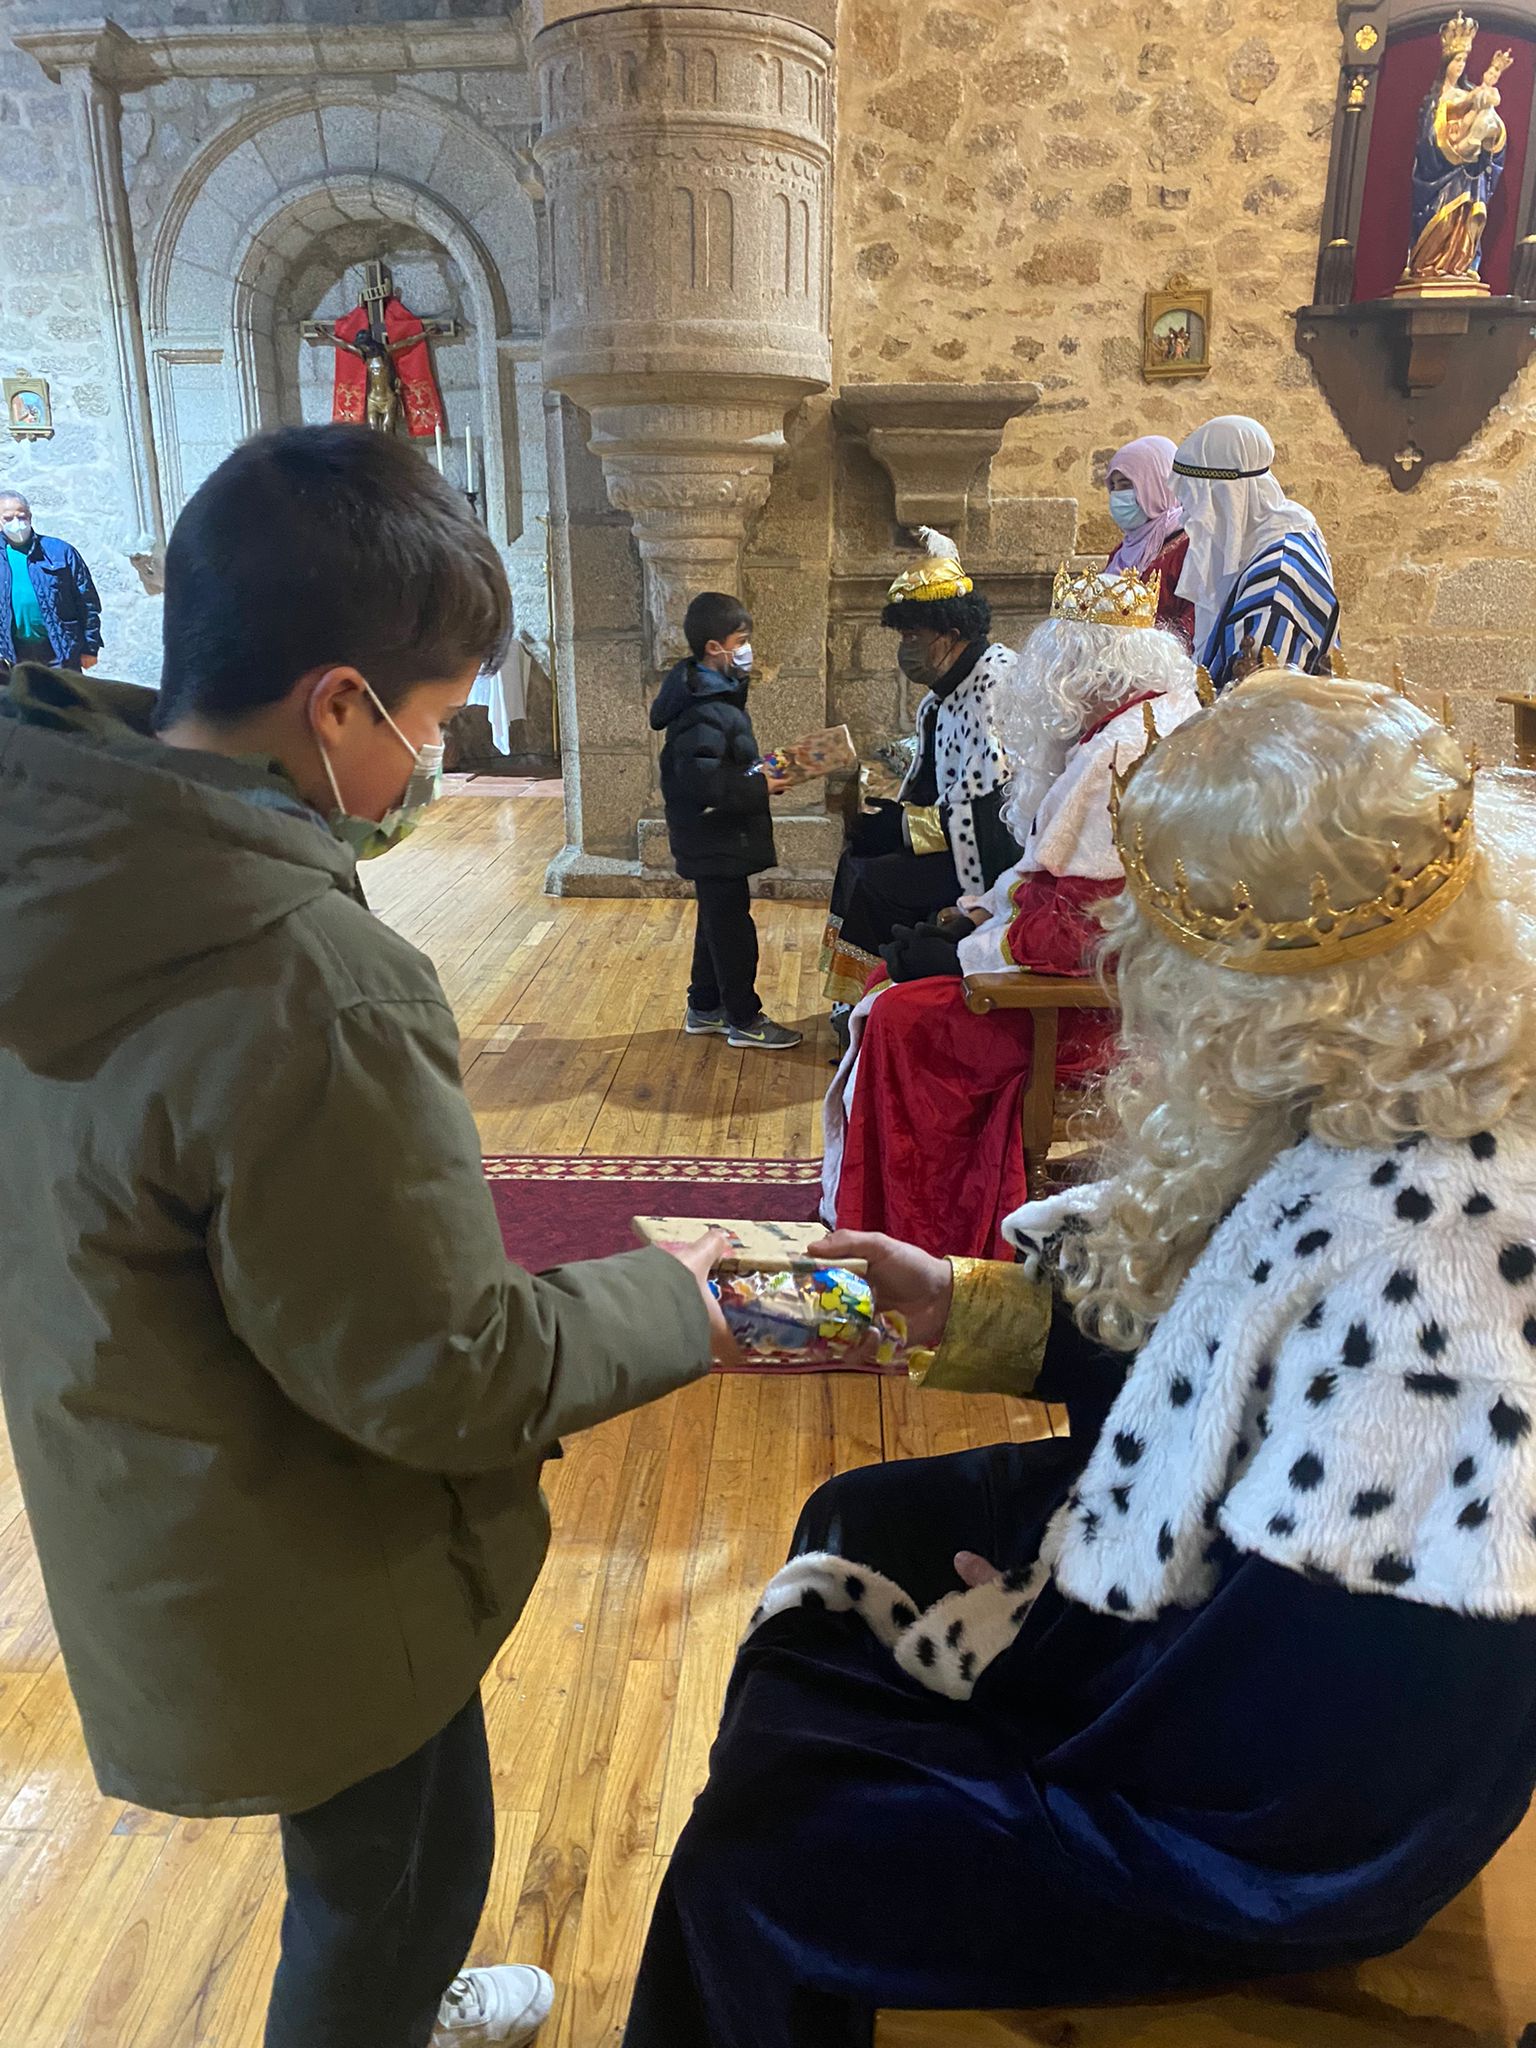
[95,66]
[686,155]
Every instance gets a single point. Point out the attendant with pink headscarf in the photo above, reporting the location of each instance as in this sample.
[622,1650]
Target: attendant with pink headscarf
[1143,506]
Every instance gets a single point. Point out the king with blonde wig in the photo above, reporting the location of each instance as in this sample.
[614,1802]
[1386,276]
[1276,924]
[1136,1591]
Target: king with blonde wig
[1321,932]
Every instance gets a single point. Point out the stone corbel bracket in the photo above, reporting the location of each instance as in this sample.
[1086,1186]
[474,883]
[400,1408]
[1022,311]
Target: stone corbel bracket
[936,442]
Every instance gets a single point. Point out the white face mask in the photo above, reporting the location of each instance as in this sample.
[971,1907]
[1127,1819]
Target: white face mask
[1125,510]
[369,837]
[18,531]
[741,657]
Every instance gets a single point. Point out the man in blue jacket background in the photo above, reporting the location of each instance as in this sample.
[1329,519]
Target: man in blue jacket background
[49,610]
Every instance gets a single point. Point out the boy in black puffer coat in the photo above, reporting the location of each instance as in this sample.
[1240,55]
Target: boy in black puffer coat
[716,793]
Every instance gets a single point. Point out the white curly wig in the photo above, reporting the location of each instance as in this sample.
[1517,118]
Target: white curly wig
[1066,675]
[1286,778]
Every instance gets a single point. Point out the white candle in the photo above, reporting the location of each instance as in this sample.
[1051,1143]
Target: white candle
[469,460]
[437,436]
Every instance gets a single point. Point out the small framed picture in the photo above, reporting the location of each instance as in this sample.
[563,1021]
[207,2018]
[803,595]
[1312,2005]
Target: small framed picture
[1176,332]
[28,408]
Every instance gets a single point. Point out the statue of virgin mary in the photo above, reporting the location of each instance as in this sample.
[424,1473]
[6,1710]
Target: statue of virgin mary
[1457,165]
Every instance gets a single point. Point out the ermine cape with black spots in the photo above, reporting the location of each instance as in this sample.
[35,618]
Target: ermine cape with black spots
[970,761]
[1345,1384]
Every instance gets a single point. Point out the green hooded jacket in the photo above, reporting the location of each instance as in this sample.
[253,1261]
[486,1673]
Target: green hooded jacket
[277,1398]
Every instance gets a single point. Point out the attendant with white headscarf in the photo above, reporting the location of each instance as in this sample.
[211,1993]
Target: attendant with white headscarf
[1258,571]
[1143,505]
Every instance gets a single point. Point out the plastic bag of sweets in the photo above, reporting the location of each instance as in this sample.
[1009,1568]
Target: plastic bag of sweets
[807,1315]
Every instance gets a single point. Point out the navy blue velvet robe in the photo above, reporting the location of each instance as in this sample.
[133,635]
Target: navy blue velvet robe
[1286,1778]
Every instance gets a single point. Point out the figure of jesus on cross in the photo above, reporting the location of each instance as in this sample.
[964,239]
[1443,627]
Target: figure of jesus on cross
[384,362]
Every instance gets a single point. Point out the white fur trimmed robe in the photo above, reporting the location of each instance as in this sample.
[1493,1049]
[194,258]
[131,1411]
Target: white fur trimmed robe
[1345,1385]
[969,759]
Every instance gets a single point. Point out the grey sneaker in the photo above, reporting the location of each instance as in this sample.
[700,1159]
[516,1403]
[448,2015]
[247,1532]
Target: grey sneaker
[504,2005]
[705,1023]
[763,1035]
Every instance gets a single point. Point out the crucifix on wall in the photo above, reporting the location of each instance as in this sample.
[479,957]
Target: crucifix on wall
[384,359]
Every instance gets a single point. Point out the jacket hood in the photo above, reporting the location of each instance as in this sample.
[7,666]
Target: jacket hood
[688,683]
[123,860]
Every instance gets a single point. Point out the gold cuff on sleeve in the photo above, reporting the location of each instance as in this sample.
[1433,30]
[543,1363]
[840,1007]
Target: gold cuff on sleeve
[925,829]
[994,1342]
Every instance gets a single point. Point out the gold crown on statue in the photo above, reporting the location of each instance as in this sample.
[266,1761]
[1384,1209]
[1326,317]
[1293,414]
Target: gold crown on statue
[1104,597]
[937,575]
[1248,943]
[1458,35]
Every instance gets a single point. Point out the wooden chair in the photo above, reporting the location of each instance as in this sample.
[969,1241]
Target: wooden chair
[1524,709]
[1046,996]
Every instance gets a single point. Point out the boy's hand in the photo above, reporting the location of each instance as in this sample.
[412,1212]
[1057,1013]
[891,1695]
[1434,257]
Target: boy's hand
[777,784]
[908,1282]
[701,1259]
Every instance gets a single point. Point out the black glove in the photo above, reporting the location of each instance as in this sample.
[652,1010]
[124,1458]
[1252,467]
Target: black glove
[877,829]
[918,955]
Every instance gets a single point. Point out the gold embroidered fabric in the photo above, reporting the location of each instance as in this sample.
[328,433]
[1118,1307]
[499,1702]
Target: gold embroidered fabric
[925,829]
[994,1342]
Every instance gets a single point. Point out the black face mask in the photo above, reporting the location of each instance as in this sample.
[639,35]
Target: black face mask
[916,666]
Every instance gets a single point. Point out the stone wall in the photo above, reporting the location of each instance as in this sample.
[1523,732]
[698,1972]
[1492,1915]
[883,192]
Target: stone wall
[55,325]
[1013,178]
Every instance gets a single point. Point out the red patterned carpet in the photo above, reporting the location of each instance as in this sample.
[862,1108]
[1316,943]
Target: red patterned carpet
[553,1210]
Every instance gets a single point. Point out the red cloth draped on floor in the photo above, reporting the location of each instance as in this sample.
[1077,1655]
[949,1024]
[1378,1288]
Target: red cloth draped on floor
[419,399]
[934,1151]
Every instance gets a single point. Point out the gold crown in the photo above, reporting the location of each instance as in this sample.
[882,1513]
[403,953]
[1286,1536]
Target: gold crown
[1248,943]
[1120,597]
[938,575]
[1458,35]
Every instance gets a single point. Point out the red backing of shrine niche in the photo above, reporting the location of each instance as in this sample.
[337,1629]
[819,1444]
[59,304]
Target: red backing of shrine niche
[1409,67]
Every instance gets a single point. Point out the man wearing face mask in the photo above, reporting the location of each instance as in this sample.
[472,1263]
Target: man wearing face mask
[943,836]
[277,1398]
[49,610]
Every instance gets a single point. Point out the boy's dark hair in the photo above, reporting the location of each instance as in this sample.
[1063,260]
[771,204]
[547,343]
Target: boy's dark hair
[713,615]
[970,617]
[317,546]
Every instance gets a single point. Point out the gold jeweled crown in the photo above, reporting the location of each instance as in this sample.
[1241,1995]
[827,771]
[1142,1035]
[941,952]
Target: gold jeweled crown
[1458,35]
[1104,597]
[938,575]
[1249,943]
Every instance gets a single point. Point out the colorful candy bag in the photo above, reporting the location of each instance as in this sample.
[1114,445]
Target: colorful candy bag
[808,1315]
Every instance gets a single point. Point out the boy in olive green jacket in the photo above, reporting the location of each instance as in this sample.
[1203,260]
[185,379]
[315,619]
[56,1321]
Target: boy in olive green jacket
[277,1398]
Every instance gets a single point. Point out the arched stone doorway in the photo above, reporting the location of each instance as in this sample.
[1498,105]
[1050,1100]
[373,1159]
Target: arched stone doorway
[269,226]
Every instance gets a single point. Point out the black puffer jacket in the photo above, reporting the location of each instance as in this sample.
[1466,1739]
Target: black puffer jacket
[717,814]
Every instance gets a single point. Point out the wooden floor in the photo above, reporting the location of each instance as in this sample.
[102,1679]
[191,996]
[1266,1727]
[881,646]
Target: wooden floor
[122,1929]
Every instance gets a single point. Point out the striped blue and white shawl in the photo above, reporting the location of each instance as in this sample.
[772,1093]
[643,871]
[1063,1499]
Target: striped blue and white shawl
[1286,601]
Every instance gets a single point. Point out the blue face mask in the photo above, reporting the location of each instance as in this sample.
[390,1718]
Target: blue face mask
[1125,510]
[369,837]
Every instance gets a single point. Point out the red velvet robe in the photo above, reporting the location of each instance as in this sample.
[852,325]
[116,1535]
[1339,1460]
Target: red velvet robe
[934,1149]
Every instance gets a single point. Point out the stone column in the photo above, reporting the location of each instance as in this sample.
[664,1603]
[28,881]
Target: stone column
[93,69]
[685,153]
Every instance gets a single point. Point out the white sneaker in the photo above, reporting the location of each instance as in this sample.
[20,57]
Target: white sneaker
[505,2004]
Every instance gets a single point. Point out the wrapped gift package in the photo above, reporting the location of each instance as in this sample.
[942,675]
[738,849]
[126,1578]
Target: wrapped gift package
[831,752]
